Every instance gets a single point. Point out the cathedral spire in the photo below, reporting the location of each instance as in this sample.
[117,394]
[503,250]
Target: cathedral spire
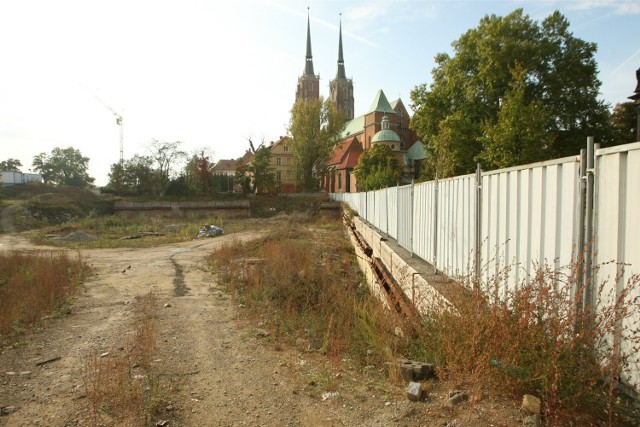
[341,73]
[308,68]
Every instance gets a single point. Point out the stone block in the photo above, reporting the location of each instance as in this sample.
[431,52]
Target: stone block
[531,404]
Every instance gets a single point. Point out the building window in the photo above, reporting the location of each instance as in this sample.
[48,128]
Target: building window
[339,180]
[279,175]
[285,149]
[279,161]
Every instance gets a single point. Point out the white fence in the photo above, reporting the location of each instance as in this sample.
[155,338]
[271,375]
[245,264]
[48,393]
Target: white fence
[546,213]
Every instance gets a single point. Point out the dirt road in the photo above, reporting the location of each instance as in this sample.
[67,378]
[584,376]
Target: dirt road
[224,370]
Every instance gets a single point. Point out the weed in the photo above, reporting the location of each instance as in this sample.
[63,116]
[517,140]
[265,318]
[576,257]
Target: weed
[122,386]
[36,285]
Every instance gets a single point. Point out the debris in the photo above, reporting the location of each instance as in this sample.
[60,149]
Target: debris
[7,410]
[532,421]
[49,360]
[412,370]
[329,395]
[76,236]
[531,404]
[167,305]
[210,231]
[457,398]
[105,354]
[414,392]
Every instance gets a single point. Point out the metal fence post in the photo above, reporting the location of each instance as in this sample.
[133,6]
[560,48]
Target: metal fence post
[588,254]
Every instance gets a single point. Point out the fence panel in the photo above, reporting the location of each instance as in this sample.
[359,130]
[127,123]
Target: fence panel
[529,217]
[423,220]
[456,225]
[392,212]
[617,232]
[405,217]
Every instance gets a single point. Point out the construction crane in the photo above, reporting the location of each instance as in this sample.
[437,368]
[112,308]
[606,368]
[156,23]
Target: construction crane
[118,122]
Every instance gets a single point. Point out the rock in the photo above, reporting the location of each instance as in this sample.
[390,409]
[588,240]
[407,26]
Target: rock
[532,421]
[457,399]
[8,410]
[531,404]
[414,392]
[105,354]
[167,305]
[412,370]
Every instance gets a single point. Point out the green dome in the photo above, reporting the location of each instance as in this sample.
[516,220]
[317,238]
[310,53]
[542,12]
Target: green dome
[385,135]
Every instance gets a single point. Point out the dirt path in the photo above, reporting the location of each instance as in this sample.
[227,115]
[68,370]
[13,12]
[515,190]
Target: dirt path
[227,374]
[6,219]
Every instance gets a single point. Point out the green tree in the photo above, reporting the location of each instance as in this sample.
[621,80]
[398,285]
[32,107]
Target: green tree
[624,121]
[377,168]
[469,89]
[242,176]
[315,128]
[10,165]
[63,167]
[135,176]
[264,179]
[520,135]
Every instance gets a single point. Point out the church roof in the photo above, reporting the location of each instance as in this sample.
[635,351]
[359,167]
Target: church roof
[308,67]
[341,73]
[353,126]
[385,135]
[416,152]
[224,165]
[381,104]
[346,156]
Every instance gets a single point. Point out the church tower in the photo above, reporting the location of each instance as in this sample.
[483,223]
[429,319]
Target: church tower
[341,88]
[308,83]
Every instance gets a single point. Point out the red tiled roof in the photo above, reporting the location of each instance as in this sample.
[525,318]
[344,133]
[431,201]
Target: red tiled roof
[346,157]
[224,165]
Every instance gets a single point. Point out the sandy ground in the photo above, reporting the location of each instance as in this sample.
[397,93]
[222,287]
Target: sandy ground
[225,373]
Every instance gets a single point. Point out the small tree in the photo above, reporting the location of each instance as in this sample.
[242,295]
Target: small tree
[377,168]
[260,168]
[10,165]
[63,167]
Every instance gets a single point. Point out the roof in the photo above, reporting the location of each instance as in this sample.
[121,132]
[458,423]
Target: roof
[353,127]
[224,165]
[385,135]
[416,152]
[347,155]
[380,104]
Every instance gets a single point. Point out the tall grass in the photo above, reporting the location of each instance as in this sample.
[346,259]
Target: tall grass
[307,280]
[35,285]
[536,339]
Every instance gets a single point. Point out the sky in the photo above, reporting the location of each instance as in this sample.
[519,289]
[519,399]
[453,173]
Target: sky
[214,74]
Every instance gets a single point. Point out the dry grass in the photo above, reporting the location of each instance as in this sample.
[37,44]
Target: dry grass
[535,339]
[35,285]
[307,282]
[122,388]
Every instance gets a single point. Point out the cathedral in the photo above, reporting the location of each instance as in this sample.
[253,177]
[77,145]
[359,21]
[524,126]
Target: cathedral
[384,123]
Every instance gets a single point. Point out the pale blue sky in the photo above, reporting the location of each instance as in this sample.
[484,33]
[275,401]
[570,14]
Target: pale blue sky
[212,74]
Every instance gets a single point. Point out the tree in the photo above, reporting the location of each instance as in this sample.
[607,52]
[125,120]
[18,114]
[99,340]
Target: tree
[520,135]
[377,168]
[624,121]
[10,165]
[135,176]
[242,175]
[260,168]
[63,167]
[165,156]
[315,128]
[469,90]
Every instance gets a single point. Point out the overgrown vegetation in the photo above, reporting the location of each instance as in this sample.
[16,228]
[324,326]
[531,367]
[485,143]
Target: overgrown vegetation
[122,387]
[33,286]
[533,340]
[536,339]
[309,285]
